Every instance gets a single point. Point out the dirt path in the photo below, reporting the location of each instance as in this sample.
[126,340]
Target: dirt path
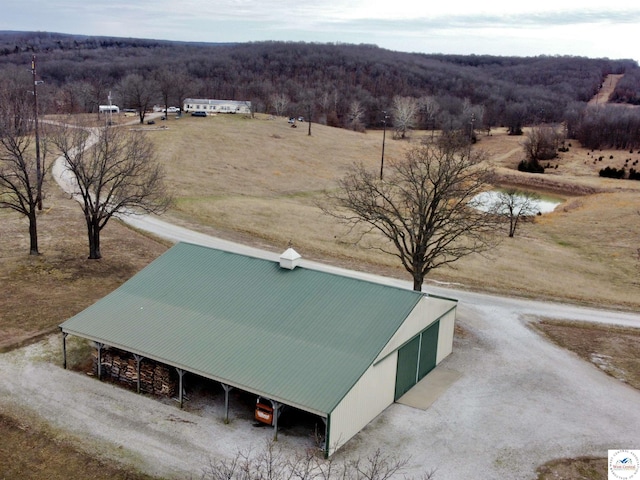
[608,86]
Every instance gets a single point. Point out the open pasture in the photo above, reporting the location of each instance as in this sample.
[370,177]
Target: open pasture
[261,181]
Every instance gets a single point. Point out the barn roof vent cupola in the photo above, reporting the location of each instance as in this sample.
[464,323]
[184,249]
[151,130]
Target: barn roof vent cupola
[290,259]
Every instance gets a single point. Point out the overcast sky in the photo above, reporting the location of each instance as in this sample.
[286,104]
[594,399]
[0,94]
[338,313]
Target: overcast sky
[522,28]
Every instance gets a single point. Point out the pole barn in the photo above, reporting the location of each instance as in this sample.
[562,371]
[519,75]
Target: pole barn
[341,348]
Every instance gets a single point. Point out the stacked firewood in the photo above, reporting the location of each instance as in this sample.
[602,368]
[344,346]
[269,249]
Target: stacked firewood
[119,366]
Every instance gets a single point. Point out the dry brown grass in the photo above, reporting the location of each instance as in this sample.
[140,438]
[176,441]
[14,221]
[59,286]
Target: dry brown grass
[32,453]
[40,292]
[261,179]
[583,468]
[258,181]
[614,350]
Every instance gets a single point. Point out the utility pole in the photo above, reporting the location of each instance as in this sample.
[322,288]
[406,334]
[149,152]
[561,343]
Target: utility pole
[111,111]
[384,135]
[472,123]
[309,119]
[39,167]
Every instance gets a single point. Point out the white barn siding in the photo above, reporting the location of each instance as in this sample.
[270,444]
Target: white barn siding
[445,336]
[428,310]
[368,398]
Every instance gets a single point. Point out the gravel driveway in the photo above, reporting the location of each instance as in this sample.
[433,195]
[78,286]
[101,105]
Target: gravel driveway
[519,402]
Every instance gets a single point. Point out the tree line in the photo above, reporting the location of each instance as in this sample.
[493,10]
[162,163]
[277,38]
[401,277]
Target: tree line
[609,126]
[339,84]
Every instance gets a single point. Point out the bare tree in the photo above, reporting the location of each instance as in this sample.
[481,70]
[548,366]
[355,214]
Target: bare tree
[542,143]
[138,92]
[271,463]
[98,93]
[472,118]
[21,175]
[72,97]
[515,115]
[280,102]
[514,206]
[355,115]
[424,208]
[404,111]
[329,107]
[429,108]
[183,84]
[115,173]
[81,96]
[165,80]
[324,101]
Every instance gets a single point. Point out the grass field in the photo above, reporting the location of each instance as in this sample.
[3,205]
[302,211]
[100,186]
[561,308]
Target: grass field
[29,452]
[259,181]
[262,179]
[38,294]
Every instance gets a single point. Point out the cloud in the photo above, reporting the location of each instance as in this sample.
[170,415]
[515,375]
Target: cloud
[482,21]
[401,25]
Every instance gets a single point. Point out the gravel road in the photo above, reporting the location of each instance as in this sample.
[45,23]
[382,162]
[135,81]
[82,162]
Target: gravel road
[520,401]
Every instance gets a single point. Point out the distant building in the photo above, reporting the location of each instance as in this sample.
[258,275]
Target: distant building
[216,106]
[108,109]
[162,109]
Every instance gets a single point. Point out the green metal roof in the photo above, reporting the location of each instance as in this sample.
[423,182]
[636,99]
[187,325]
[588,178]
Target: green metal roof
[300,336]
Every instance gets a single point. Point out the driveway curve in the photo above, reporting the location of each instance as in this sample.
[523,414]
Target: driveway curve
[520,401]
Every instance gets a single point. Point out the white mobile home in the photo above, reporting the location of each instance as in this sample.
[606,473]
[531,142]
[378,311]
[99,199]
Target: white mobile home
[216,106]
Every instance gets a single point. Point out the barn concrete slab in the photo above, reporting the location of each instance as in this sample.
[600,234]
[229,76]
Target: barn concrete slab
[429,389]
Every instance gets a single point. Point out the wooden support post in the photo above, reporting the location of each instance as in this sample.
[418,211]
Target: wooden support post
[180,394]
[64,349]
[99,346]
[276,414]
[138,360]
[326,436]
[227,389]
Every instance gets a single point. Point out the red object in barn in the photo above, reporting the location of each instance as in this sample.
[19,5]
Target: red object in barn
[264,413]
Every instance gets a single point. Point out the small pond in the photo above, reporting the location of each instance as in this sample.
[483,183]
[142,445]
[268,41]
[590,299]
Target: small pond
[544,204]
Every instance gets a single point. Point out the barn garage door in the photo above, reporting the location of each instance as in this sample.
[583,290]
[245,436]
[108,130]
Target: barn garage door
[407,361]
[416,359]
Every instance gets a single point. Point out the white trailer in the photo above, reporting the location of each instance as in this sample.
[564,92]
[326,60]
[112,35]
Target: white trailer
[108,109]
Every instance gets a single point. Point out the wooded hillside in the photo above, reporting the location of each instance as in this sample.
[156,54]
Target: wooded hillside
[340,84]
